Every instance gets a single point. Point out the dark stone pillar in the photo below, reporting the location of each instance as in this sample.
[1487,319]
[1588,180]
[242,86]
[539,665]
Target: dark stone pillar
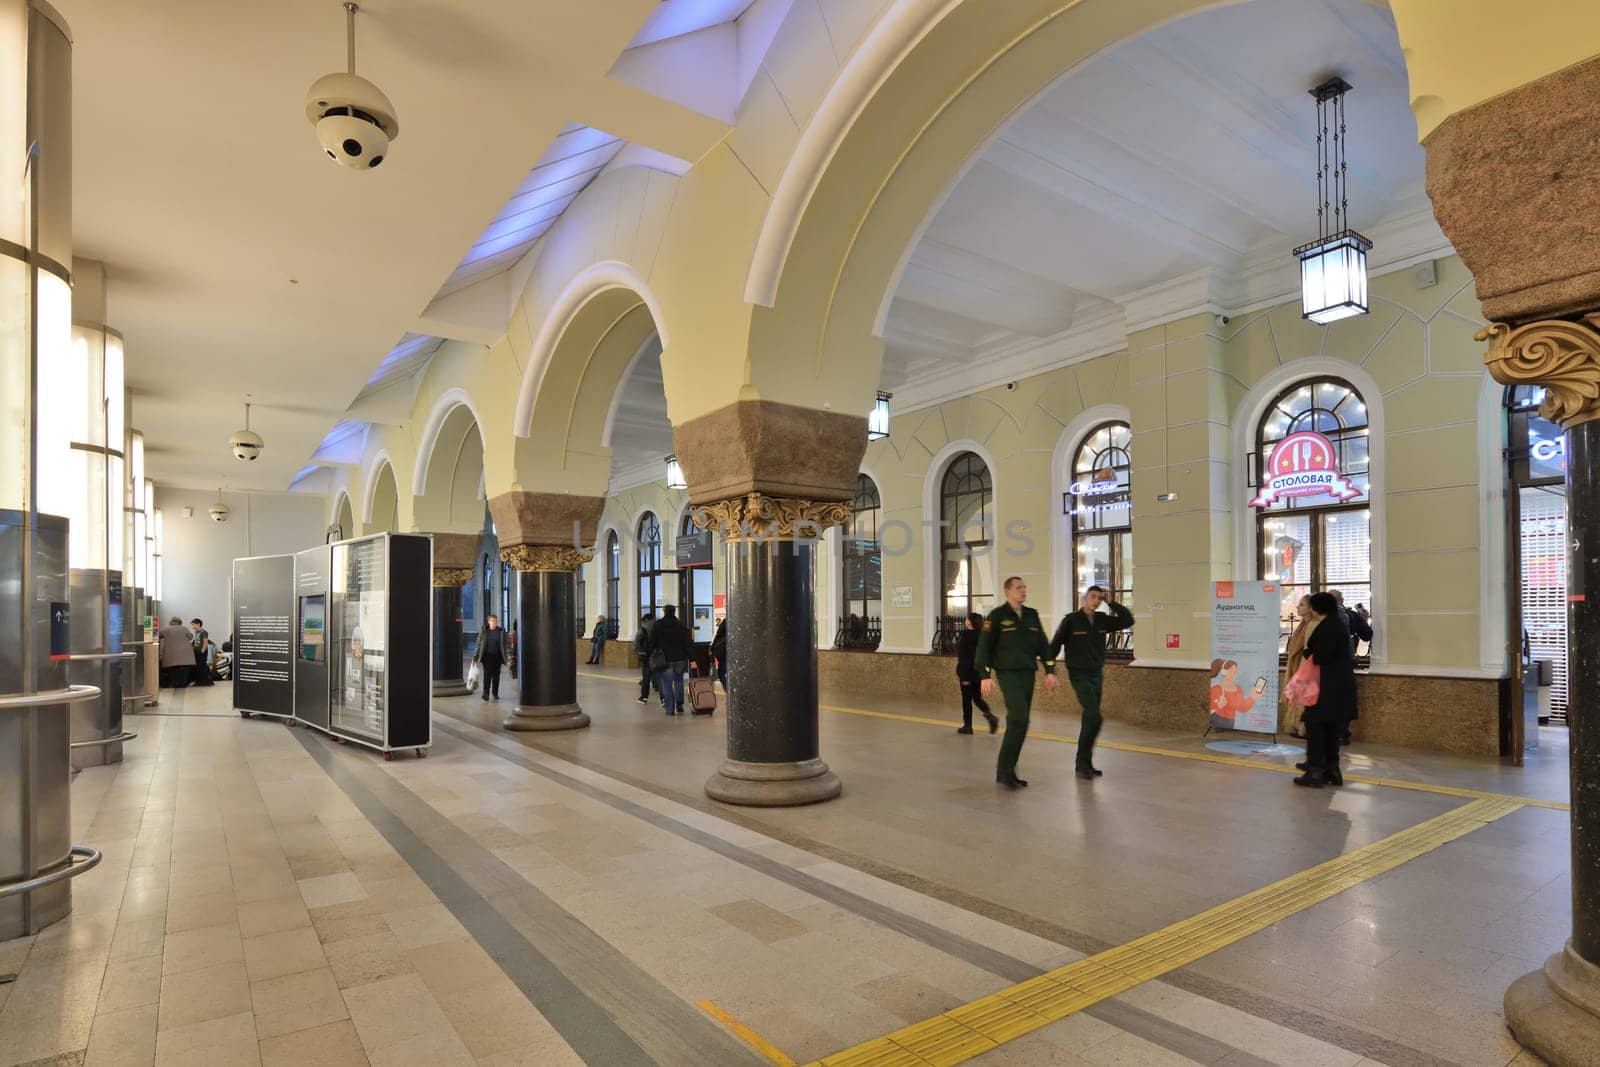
[1555,1011]
[447,679]
[547,679]
[774,758]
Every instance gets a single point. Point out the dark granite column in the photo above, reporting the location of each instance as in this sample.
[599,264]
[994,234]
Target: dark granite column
[447,673]
[774,758]
[547,680]
[1514,181]
[1556,1011]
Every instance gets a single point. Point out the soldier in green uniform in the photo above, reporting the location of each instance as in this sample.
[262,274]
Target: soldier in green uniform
[1012,646]
[1082,634]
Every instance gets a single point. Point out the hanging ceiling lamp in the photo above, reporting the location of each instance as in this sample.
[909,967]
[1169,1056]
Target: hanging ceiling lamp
[1333,268]
[878,420]
[675,474]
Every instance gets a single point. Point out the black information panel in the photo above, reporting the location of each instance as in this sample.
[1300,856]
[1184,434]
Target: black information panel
[379,617]
[263,612]
[311,636]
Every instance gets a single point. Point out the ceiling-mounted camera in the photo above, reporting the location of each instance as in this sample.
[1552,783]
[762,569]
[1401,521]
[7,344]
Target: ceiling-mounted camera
[245,443]
[219,512]
[355,122]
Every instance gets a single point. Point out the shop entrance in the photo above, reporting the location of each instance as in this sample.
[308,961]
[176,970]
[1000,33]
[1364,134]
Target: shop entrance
[1536,453]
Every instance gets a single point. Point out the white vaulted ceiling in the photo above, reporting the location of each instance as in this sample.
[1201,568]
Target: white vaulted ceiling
[1177,166]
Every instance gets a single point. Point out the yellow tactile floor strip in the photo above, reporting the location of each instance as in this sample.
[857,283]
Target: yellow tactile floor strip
[1196,757]
[770,1052]
[962,1033]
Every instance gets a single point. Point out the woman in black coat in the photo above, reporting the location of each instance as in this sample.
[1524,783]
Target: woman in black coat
[1329,648]
[967,675]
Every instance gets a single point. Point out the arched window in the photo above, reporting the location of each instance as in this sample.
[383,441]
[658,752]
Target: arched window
[966,538]
[1537,452]
[613,583]
[488,588]
[651,597]
[1313,532]
[1099,509]
[694,578]
[861,570]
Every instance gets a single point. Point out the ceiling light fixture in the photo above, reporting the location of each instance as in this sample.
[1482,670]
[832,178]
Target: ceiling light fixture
[675,478]
[878,420]
[355,122]
[246,445]
[1333,268]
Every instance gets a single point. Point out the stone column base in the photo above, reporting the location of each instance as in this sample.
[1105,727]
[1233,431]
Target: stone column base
[1556,1011]
[530,719]
[773,785]
[450,687]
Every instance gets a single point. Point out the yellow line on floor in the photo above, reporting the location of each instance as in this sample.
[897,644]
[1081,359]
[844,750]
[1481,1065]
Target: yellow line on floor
[745,1034]
[1195,757]
[987,1023]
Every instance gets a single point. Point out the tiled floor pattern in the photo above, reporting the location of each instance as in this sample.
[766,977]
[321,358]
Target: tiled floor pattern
[270,897]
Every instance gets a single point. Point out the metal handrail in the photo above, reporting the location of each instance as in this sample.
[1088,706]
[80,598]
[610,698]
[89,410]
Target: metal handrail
[92,657]
[90,856]
[126,735]
[72,694]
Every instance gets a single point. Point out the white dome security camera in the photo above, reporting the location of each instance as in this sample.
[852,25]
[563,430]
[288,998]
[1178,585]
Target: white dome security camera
[246,444]
[219,512]
[355,122]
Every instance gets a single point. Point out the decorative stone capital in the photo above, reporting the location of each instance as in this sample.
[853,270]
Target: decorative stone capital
[545,557]
[755,517]
[451,577]
[1562,355]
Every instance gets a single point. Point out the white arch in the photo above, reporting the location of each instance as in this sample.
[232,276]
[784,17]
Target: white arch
[370,490]
[1063,568]
[446,402]
[1245,420]
[585,285]
[930,517]
[342,495]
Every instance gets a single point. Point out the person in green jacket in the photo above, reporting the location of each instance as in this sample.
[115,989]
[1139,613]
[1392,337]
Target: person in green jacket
[1010,650]
[1082,634]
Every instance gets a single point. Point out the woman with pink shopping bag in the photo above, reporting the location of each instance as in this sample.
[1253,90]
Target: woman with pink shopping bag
[1326,685]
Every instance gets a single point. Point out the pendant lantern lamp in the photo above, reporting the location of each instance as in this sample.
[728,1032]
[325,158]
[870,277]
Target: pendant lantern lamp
[878,420]
[675,474]
[1333,268]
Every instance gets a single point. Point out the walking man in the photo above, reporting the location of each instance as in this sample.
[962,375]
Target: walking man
[597,640]
[641,652]
[1082,634]
[1010,650]
[491,655]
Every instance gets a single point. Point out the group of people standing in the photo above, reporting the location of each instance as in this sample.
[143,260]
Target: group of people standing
[187,653]
[1008,649]
[1326,635]
[664,648]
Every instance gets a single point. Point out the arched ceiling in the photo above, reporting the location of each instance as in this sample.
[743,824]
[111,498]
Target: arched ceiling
[1176,169]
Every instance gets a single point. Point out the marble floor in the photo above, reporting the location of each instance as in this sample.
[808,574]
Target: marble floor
[269,896]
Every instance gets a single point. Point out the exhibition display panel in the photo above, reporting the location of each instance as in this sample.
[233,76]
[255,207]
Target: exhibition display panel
[338,637]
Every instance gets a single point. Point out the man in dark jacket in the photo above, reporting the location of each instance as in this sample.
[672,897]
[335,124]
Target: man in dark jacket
[719,651]
[597,640]
[1326,720]
[1082,635]
[491,655]
[641,652]
[1360,630]
[1012,645]
[968,677]
[670,647]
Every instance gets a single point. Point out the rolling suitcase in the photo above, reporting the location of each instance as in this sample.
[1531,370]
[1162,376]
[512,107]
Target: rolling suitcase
[702,694]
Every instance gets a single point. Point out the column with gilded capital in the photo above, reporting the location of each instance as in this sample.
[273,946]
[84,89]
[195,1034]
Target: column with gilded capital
[771,478]
[453,558]
[1514,182]
[545,536]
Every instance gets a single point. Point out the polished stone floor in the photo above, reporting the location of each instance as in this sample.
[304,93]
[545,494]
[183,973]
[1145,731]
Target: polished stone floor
[270,896]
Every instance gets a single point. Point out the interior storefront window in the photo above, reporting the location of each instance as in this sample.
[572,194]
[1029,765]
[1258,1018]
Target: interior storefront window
[966,516]
[1317,543]
[1538,456]
[861,569]
[1098,505]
